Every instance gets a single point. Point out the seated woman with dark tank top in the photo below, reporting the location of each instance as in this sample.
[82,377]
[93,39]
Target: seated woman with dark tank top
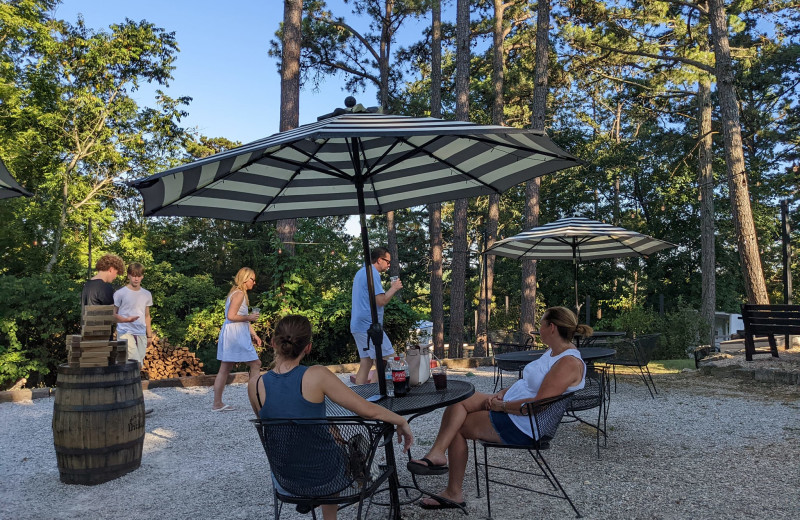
[293,391]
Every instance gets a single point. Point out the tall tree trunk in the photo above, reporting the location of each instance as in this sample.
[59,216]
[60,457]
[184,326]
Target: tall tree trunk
[734,159]
[493,215]
[527,319]
[290,96]
[435,210]
[459,267]
[385,49]
[707,246]
[383,95]
[62,223]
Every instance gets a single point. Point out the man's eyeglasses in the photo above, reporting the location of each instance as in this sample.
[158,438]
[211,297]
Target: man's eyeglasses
[386,260]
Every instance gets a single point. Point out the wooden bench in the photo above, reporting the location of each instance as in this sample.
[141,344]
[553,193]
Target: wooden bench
[768,320]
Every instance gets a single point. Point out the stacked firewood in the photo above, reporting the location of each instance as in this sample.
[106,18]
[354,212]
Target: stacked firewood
[92,347]
[165,361]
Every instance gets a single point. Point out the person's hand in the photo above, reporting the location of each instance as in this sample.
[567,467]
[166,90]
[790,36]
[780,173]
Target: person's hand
[397,284]
[253,317]
[257,340]
[404,436]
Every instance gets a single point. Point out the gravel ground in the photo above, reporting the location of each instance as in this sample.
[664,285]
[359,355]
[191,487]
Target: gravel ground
[704,448]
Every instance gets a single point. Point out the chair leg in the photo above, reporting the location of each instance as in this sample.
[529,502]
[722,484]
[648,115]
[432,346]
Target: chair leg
[560,487]
[651,379]
[644,380]
[477,475]
[614,372]
[486,477]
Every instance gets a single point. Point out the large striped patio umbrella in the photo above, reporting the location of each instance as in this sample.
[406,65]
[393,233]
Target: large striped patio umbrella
[578,239]
[8,186]
[353,163]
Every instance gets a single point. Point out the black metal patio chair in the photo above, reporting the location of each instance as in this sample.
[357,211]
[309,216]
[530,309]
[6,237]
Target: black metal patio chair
[595,394]
[544,416]
[324,461]
[635,353]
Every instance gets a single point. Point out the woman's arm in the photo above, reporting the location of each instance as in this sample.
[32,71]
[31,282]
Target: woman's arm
[254,336]
[255,387]
[323,383]
[233,309]
[567,371]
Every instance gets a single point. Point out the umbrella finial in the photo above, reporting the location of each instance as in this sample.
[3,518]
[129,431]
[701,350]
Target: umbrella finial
[349,101]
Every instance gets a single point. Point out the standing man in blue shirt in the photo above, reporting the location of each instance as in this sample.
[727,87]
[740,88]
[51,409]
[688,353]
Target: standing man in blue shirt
[361,315]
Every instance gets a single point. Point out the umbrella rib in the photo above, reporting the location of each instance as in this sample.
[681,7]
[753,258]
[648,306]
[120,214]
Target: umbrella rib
[416,150]
[334,172]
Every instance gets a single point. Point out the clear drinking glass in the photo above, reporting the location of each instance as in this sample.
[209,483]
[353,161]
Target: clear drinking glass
[440,377]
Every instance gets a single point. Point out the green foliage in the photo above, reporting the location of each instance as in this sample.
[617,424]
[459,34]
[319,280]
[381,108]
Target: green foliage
[176,299]
[634,320]
[37,314]
[682,330]
[14,365]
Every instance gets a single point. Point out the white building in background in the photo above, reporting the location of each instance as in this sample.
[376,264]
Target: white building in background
[726,324]
[424,332]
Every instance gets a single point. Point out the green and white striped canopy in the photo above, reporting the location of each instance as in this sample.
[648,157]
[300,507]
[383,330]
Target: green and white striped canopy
[356,163]
[8,186]
[577,238]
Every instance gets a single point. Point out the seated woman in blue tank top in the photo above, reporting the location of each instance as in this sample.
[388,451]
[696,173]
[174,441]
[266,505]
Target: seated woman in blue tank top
[291,390]
[496,417]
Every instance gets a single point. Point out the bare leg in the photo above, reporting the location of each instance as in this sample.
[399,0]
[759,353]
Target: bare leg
[363,370]
[452,421]
[219,383]
[255,367]
[468,419]
[329,511]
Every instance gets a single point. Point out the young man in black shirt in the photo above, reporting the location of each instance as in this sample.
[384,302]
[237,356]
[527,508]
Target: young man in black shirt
[98,290]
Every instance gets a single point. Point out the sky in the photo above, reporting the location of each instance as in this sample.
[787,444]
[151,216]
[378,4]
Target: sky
[223,62]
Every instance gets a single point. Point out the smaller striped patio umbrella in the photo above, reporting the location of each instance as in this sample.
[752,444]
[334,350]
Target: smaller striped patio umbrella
[578,239]
[8,186]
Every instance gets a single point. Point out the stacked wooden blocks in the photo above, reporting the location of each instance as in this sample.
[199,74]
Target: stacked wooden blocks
[93,347]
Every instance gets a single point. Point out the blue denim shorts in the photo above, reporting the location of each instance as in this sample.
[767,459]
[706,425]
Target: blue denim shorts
[507,430]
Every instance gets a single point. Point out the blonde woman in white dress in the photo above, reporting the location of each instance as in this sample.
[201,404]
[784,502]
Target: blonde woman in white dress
[235,344]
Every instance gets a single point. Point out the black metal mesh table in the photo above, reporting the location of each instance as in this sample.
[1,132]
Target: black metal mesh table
[511,361]
[420,399]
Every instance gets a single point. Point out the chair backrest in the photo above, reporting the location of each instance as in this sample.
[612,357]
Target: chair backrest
[592,394]
[320,457]
[647,346]
[521,338]
[545,415]
[497,336]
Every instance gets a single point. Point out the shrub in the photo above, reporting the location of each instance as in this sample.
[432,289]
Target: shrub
[37,314]
[682,330]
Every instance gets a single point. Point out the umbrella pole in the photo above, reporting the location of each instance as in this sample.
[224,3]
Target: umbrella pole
[486,301]
[575,278]
[375,332]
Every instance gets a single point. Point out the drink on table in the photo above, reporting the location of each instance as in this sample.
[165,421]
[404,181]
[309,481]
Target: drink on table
[440,377]
[399,377]
[388,378]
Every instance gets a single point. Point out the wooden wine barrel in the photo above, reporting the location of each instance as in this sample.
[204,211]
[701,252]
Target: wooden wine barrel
[98,422]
